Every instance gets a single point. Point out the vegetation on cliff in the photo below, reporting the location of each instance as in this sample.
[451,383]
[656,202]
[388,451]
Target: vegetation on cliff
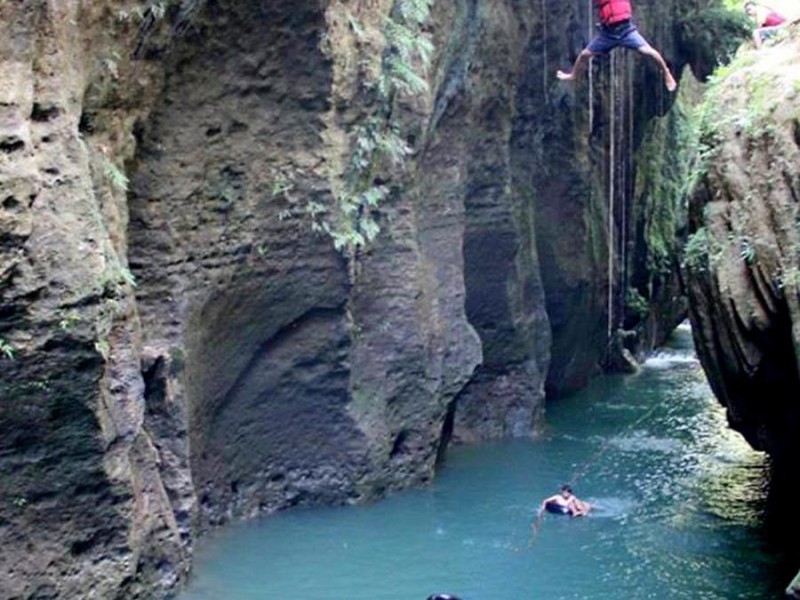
[745,99]
[185,353]
[742,258]
[378,144]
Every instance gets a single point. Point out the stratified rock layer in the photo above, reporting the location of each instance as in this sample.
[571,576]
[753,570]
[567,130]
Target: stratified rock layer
[743,262]
[742,259]
[186,350]
[84,512]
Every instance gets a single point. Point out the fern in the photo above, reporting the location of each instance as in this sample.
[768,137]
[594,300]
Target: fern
[117,178]
[103,349]
[374,195]
[378,141]
[405,78]
[697,251]
[127,277]
[416,11]
[408,43]
[370,228]
[6,350]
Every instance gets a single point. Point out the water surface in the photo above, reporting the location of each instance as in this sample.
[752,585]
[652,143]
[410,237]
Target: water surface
[680,500]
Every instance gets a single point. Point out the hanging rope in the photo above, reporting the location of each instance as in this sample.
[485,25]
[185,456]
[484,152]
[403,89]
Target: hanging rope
[546,69]
[578,475]
[611,192]
[590,34]
[630,189]
[626,184]
[620,103]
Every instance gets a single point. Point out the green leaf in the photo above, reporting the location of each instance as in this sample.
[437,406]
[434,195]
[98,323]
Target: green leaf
[6,349]
[370,228]
[117,178]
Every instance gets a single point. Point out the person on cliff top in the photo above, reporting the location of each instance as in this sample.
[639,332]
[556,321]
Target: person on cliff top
[565,503]
[616,29]
[767,21]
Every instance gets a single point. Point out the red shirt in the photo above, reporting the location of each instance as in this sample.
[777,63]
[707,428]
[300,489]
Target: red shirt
[773,19]
[614,11]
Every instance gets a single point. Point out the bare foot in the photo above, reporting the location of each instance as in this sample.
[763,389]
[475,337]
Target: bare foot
[565,76]
[672,85]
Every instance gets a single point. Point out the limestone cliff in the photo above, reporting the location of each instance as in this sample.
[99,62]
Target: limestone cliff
[742,257]
[181,344]
[84,511]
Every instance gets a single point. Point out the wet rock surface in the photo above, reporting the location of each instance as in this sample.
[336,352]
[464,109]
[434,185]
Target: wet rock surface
[742,256]
[187,351]
[741,264]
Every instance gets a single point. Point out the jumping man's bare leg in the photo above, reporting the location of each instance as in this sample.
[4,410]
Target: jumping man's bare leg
[669,80]
[582,57]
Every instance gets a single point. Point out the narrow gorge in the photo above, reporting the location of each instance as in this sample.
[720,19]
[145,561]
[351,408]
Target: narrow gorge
[259,254]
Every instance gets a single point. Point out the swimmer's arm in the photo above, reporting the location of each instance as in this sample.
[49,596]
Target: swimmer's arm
[544,504]
[580,508]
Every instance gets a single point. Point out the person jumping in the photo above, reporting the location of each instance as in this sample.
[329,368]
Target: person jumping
[616,29]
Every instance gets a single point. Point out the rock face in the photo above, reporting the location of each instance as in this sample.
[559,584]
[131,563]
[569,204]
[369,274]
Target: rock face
[504,293]
[84,512]
[603,163]
[178,346]
[742,256]
[741,262]
[580,158]
[304,381]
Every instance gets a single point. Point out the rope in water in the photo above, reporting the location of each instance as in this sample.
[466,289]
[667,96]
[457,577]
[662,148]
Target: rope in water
[536,525]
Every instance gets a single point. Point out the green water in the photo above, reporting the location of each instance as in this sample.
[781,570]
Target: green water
[680,517]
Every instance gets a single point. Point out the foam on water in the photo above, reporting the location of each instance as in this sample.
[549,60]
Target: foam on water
[668,360]
[641,442]
[609,507]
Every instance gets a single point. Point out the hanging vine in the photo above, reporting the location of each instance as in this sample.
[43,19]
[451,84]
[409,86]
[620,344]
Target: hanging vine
[378,141]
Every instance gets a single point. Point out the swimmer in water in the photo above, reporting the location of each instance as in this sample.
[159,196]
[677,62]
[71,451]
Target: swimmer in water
[565,503]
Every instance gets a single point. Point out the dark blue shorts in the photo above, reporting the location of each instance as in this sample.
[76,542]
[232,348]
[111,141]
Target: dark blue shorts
[556,508]
[622,34]
[768,32]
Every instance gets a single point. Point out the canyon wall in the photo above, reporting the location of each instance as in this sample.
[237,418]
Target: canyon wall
[182,345]
[741,261]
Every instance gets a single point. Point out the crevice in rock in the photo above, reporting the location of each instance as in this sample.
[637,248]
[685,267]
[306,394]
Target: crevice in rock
[11,203]
[86,122]
[447,432]
[12,145]
[41,113]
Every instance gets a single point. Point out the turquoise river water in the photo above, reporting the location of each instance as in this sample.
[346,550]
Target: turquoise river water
[680,502]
